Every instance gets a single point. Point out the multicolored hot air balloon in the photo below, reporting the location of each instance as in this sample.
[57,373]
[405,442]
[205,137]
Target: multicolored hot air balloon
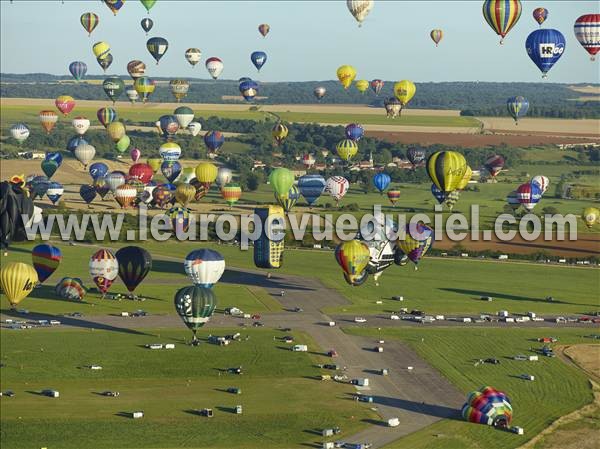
[231,193]
[542,182]
[103,268]
[214,66]
[169,151]
[587,33]
[144,86]
[488,406]
[393,107]
[46,259]
[264,29]
[170,170]
[311,187]
[105,62]
[381,181]
[502,15]
[545,47]
[157,46]
[353,257]
[136,69]
[162,195]
[17,280]
[436,36]
[168,125]
[376,86]
[346,75]
[258,58]
[446,169]
[512,199]
[337,186]
[393,195]
[78,69]
[125,194]
[517,107]
[193,55]
[204,267]
[346,149]
[494,165]
[184,116]
[360,9]
[101,50]
[195,305]
[529,194]
[288,200]
[65,104]
[134,265]
[70,288]
[48,120]
[540,15]
[438,194]
[106,116]
[179,88]
[416,241]
[89,21]
[55,192]
[114,5]
[248,89]
[214,140]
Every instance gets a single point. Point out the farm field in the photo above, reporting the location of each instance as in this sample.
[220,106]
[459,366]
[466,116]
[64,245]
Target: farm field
[282,402]
[558,388]
[441,285]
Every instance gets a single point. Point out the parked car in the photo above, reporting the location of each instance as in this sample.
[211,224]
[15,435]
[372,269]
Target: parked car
[492,361]
[112,394]
[257,324]
[360,319]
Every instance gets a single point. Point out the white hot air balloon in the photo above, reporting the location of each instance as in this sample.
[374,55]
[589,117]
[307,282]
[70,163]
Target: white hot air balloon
[193,55]
[169,151]
[195,128]
[214,67]
[132,94]
[114,180]
[360,9]
[224,176]
[542,182]
[337,186]
[84,153]
[184,116]
[81,125]
[319,92]
[204,267]
[19,132]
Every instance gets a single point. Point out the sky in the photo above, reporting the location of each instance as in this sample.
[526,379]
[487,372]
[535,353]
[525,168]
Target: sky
[308,39]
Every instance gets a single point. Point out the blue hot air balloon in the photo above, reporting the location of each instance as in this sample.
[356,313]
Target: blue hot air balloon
[545,47]
[517,107]
[437,194]
[168,125]
[78,69]
[98,170]
[249,89]
[157,46]
[74,142]
[214,140]
[258,58]
[354,132]
[55,191]
[54,156]
[381,181]
[88,193]
[311,187]
[170,170]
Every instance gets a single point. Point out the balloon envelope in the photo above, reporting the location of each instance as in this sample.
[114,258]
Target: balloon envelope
[134,265]
[46,259]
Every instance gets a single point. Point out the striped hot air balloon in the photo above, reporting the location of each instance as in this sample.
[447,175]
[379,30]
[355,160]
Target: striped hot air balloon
[46,259]
[78,69]
[231,193]
[488,406]
[587,32]
[446,169]
[337,186]
[48,120]
[393,196]
[502,15]
[436,36]
[104,269]
[346,149]
[89,21]
[125,194]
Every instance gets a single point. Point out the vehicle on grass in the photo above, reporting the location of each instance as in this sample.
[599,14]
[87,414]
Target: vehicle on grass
[256,316]
[394,317]
[7,393]
[298,309]
[492,361]
[110,394]
[235,370]
[234,390]
[360,319]
[257,324]
[332,353]
[51,393]
[547,339]
[331,366]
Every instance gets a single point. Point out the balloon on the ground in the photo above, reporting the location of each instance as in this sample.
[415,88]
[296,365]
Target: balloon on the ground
[488,406]
[195,305]
[591,216]
[545,47]
[70,288]
[46,259]
[103,269]
[353,257]
[502,15]
[17,280]
[134,265]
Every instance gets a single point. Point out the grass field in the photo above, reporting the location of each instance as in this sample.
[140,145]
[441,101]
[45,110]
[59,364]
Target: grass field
[557,390]
[449,286]
[283,403]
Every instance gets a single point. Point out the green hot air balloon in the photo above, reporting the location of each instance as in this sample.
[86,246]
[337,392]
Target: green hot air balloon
[195,305]
[148,4]
[123,143]
[281,179]
[113,87]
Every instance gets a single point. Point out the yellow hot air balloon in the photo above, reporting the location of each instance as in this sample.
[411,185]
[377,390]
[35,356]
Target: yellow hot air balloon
[116,130]
[154,163]
[446,169]
[101,50]
[17,280]
[346,149]
[362,86]
[353,257]
[346,75]
[465,179]
[591,216]
[206,173]
[184,193]
[404,91]
[279,133]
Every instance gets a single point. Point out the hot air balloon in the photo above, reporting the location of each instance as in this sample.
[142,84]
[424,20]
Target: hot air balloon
[179,88]
[446,169]
[49,167]
[98,170]
[87,193]
[206,173]
[362,86]
[19,132]
[288,200]
[195,305]
[436,36]
[311,187]
[404,91]
[337,186]
[142,172]
[258,58]
[103,268]
[155,162]
[180,219]
[415,156]
[184,193]
[360,9]
[101,50]
[214,67]
[264,29]
[46,259]
[451,198]
[144,86]
[393,107]
[187,174]
[308,160]
[224,176]
[101,186]
[132,95]
[136,69]
[105,62]
[376,86]
[170,170]
[114,180]
[55,192]
[106,116]
[134,264]
[15,202]
[65,104]
[162,195]
[184,116]
[353,257]
[381,181]
[84,153]
[78,70]
[587,32]
[249,89]
[488,406]
[48,120]
[438,194]
[393,196]
[114,5]
[148,4]
[517,107]
[17,280]
[116,131]
[545,47]
[39,186]
[54,156]
[416,241]
[346,75]
[204,267]
[73,142]
[231,193]
[346,149]
[169,151]
[135,155]
[193,55]
[89,21]
[125,194]
[542,182]
[354,131]
[194,128]
[168,126]
[123,143]
[494,165]
[502,15]
[529,194]
[146,23]
[319,92]
[81,125]
[70,288]
[281,179]
[213,141]
[113,87]
[279,133]
[591,216]
[540,15]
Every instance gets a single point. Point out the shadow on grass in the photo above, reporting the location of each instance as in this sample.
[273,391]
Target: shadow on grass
[477,294]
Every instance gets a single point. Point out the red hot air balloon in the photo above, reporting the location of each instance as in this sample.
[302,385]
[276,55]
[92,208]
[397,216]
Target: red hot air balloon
[141,172]
[65,104]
